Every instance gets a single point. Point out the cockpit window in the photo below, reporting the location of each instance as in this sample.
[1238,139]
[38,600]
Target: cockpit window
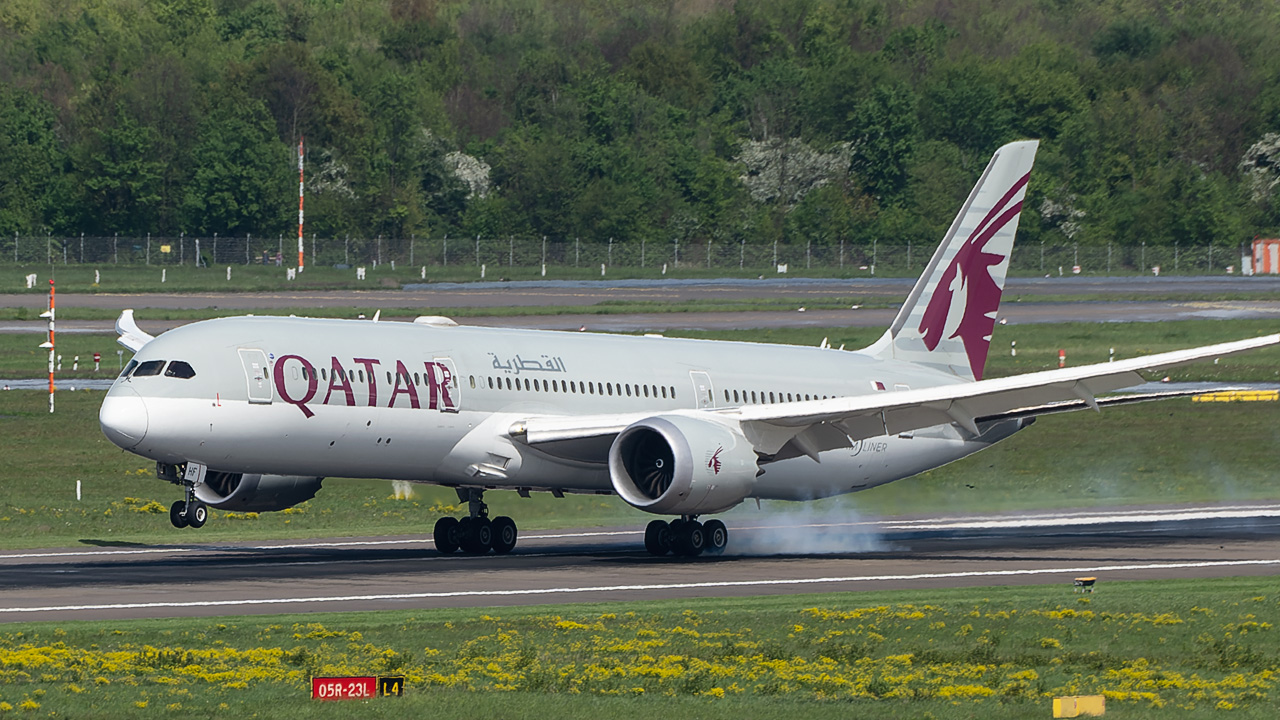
[129,368]
[180,369]
[149,368]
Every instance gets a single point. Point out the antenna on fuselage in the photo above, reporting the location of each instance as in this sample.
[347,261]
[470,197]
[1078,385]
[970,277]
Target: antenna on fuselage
[376,315]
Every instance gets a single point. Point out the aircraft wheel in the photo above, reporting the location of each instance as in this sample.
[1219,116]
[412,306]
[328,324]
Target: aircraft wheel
[690,539]
[178,514]
[477,538]
[504,535]
[657,538]
[717,536]
[197,514]
[446,535]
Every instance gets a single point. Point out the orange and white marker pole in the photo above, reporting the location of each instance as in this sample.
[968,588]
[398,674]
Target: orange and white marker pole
[300,186]
[1062,358]
[49,343]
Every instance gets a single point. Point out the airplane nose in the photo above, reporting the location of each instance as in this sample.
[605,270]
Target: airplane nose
[123,417]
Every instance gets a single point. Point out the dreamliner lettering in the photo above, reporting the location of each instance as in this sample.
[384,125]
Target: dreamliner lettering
[343,385]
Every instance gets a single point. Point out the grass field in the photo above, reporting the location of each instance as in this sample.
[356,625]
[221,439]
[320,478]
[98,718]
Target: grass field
[1184,648]
[258,278]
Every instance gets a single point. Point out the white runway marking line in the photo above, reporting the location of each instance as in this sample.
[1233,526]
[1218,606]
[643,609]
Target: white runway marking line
[643,588]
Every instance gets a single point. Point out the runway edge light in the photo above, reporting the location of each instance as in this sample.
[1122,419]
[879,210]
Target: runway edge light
[1077,705]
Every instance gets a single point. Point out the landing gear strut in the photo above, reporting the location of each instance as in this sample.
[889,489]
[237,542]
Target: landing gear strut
[475,534]
[686,537]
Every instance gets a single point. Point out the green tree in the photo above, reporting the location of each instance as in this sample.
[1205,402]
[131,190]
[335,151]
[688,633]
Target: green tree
[122,176]
[31,164]
[243,173]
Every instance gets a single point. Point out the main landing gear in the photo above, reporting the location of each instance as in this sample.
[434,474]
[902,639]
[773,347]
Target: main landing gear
[475,534]
[190,512]
[686,537]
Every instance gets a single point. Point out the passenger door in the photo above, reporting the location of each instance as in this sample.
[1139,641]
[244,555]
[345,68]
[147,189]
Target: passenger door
[257,375]
[702,390]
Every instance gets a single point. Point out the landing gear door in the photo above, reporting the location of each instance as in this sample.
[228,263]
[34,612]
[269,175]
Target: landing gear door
[702,389]
[450,389]
[257,374]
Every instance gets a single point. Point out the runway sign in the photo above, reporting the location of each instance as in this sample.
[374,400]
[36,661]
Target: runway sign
[343,688]
[391,686]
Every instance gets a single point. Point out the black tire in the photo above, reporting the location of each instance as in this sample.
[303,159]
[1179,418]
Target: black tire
[504,535]
[197,514]
[477,537]
[717,536]
[446,535]
[178,514]
[691,539]
[657,538]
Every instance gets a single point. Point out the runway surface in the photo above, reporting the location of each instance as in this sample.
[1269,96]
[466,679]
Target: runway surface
[1012,313]
[773,555]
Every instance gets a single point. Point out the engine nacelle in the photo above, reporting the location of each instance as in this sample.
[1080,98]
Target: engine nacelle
[680,465]
[255,493]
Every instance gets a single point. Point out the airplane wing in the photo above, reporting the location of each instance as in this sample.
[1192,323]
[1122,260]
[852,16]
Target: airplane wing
[131,336]
[770,427]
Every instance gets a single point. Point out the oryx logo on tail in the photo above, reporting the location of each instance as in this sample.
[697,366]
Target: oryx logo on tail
[946,321]
[965,301]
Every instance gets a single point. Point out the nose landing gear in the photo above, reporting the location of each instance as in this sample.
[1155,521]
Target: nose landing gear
[475,534]
[190,512]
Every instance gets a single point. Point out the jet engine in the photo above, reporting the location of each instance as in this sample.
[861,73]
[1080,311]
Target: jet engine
[255,493]
[680,465]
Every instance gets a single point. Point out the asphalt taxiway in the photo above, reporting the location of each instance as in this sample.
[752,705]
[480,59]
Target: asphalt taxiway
[769,555]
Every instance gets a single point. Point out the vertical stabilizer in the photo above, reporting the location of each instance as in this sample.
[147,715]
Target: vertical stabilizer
[946,321]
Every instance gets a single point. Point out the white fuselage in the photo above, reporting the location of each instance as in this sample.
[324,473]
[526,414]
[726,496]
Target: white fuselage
[431,403]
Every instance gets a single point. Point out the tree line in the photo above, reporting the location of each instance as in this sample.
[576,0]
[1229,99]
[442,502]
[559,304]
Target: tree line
[797,121]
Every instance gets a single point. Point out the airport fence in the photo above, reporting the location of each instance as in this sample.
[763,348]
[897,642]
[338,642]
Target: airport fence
[495,253]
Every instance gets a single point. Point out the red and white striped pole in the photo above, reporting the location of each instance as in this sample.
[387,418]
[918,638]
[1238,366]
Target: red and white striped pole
[300,186]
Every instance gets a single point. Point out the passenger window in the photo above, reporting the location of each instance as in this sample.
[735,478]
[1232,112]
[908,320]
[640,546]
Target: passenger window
[610,388]
[664,392]
[149,368]
[646,391]
[473,382]
[180,369]
[508,383]
[673,392]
